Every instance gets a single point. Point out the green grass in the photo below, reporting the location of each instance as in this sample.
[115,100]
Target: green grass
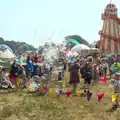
[24,106]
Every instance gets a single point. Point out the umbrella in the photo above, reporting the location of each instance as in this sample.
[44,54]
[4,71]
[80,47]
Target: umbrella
[7,54]
[79,48]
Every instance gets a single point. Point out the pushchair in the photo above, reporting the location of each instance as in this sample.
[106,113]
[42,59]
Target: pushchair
[4,80]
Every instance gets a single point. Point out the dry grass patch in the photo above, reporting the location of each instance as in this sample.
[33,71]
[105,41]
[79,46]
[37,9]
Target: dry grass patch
[24,106]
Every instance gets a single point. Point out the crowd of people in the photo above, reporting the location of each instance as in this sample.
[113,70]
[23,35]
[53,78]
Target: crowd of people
[90,70]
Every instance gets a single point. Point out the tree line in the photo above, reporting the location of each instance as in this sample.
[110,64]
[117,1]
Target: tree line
[16,45]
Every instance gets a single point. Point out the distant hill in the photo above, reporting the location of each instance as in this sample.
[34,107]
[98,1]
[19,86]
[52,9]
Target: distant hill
[17,45]
[79,38]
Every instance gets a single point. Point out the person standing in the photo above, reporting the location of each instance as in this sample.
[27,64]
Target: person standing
[29,67]
[86,72]
[14,74]
[74,75]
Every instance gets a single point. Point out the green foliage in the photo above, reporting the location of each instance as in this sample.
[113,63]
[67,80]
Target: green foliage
[15,45]
[79,38]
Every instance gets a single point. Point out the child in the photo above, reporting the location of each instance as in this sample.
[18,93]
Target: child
[116,83]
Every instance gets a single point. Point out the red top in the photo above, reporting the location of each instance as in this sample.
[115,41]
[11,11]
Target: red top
[35,59]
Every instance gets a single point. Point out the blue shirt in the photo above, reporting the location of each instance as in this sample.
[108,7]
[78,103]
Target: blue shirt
[29,67]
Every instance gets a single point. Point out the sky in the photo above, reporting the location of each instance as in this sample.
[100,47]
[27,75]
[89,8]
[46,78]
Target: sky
[35,21]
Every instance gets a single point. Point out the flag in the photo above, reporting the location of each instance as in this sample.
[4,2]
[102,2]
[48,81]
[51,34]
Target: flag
[43,90]
[78,94]
[114,96]
[89,95]
[50,91]
[100,96]
[68,94]
[103,80]
[67,51]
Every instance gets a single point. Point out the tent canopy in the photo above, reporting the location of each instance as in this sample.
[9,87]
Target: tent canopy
[4,47]
[73,41]
[79,48]
[7,54]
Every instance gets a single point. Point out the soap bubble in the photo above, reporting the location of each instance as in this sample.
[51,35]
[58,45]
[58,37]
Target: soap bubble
[52,52]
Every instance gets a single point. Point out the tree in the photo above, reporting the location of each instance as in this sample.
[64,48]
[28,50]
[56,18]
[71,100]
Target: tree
[15,45]
[77,37]
[1,39]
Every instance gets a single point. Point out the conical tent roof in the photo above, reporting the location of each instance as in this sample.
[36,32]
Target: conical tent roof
[7,54]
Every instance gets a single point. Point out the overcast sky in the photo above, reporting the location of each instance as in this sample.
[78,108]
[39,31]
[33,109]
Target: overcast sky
[34,21]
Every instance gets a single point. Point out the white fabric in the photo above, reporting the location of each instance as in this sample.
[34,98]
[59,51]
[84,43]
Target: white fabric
[7,54]
[79,48]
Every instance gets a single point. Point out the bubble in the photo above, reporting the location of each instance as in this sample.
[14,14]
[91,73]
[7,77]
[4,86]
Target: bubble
[52,52]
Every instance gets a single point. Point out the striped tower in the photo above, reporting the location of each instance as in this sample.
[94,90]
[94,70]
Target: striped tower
[110,33]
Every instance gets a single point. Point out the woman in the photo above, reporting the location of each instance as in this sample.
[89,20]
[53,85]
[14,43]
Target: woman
[29,67]
[74,76]
[14,73]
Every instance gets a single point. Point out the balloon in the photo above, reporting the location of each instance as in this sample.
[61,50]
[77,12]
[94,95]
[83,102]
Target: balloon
[71,57]
[52,53]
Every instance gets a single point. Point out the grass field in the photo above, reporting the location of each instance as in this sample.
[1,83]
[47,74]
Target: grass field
[24,106]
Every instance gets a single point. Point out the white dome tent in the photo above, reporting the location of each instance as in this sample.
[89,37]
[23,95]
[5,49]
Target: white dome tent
[6,58]
[79,48]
